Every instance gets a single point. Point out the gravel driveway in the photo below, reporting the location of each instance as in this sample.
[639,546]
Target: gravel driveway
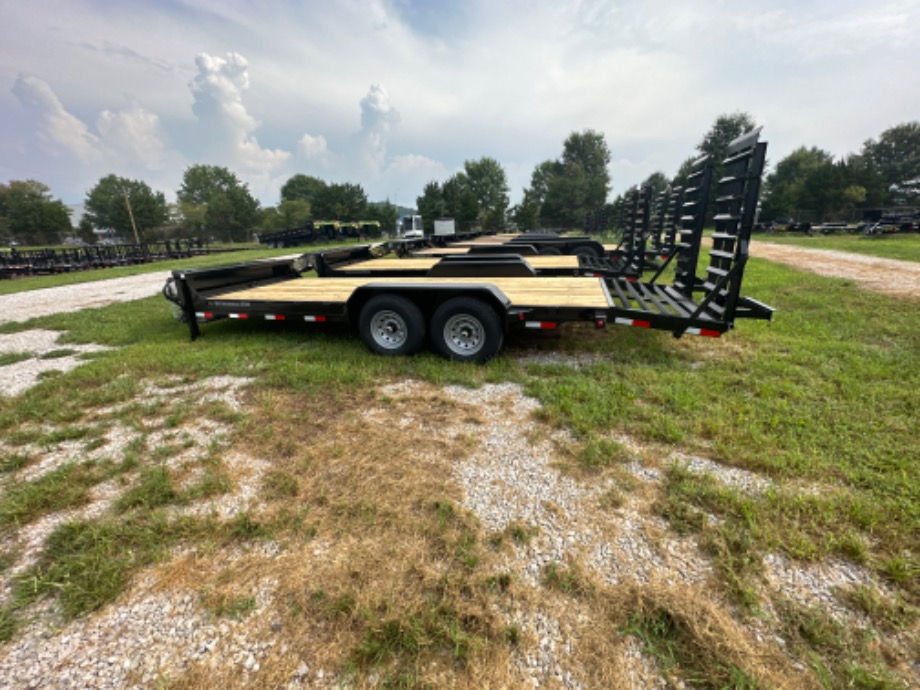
[22,306]
[889,276]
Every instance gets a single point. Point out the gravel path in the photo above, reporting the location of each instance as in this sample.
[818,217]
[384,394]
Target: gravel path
[889,276]
[22,306]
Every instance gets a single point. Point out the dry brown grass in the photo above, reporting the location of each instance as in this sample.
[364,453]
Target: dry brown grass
[394,584]
[387,546]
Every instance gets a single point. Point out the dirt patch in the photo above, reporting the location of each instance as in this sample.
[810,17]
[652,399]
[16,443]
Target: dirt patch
[888,276]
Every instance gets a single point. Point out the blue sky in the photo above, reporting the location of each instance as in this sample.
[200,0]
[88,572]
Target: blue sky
[393,93]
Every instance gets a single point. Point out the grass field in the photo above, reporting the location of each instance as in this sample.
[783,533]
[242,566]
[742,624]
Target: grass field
[378,570]
[903,246]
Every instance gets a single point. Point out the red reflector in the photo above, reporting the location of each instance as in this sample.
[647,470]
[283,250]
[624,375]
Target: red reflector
[642,324]
[710,334]
[600,323]
[208,315]
[630,280]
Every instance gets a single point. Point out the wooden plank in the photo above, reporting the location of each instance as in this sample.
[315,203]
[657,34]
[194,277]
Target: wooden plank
[418,264]
[523,292]
[553,261]
[425,263]
[441,251]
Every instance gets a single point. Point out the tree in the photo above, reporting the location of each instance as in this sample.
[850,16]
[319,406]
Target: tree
[113,201]
[384,213]
[895,159]
[28,212]
[454,199]
[431,205]
[487,181]
[588,150]
[658,182]
[526,215]
[302,187]
[460,201]
[346,202]
[565,190]
[85,231]
[784,187]
[683,172]
[715,143]
[214,200]
[294,213]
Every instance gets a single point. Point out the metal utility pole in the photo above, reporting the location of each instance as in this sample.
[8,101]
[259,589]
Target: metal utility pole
[131,216]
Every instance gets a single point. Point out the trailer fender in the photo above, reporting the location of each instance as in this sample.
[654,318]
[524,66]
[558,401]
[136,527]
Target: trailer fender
[429,297]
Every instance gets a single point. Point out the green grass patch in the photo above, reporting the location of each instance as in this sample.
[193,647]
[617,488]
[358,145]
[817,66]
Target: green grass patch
[13,462]
[59,353]
[8,358]
[8,623]
[226,606]
[399,645]
[86,564]
[65,487]
[676,649]
[153,489]
[840,656]
[569,579]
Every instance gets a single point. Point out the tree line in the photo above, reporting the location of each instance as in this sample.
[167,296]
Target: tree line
[213,202]
[810,184]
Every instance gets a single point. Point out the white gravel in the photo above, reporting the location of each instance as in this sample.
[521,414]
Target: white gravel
[22,306]
[20,376]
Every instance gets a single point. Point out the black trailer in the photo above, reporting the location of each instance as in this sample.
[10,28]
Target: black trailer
[466,316]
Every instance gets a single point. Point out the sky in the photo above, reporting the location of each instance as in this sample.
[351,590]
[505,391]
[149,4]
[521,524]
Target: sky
[392,94]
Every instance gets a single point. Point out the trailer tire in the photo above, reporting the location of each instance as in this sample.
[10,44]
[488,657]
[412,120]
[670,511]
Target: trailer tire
[392,325]
[586,251]
[551,251]
[466,329]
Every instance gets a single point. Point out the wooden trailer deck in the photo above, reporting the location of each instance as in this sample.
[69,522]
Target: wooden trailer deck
[423,263]
[589,293]
[441,251]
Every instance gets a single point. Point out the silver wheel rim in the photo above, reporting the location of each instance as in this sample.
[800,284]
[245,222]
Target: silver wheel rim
[389,330]
[464,334]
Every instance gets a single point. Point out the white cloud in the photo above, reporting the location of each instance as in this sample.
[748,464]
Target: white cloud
[407,175]
[314,147]
[135,134]
[57,129]
[226,126]
[463,80]
[378,117]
